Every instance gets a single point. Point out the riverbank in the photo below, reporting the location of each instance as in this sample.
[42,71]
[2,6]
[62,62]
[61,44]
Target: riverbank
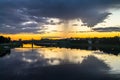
[6,46]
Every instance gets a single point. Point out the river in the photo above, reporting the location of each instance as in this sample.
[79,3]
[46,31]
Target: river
[53,63]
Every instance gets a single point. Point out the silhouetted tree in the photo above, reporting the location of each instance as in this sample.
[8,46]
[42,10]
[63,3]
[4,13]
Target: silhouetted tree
[4,39]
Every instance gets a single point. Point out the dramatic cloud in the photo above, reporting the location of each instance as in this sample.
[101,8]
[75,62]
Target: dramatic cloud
[108,29]
[91,12]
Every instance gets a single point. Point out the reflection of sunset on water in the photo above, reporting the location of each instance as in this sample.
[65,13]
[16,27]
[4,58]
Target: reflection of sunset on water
[57,56]
[77,56]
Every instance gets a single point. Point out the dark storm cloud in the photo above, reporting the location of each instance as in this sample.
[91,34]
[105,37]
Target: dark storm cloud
[108,29]
[91,12]
[19,28]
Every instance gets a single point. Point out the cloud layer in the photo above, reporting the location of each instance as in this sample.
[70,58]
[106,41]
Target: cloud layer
[108,29]
[16,12]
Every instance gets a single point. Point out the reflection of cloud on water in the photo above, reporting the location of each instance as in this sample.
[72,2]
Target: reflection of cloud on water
[57,56]
[112,60]
[71,63]
[91,68]
[22,49]
[29,60]
[64,55]
[94,64]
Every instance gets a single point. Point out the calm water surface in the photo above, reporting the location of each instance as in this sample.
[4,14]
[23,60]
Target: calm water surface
[59,64]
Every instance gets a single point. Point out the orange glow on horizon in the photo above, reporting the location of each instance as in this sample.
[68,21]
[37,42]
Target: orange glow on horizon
[29,36]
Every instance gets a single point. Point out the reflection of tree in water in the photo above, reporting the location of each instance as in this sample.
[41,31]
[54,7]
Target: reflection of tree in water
[4,52]
[108,49]
[111,50]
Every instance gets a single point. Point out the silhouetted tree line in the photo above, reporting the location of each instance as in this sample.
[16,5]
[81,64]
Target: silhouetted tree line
[108,41]
[112,40]
[107,45]
[4,39]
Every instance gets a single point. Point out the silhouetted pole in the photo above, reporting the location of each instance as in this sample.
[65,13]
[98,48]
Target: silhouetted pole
[32,43]
[20,43]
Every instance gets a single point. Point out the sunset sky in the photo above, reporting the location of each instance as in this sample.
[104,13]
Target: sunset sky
[29,19]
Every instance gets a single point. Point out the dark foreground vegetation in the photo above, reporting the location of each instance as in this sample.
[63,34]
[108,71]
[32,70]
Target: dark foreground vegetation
[4,39]
[6,44]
